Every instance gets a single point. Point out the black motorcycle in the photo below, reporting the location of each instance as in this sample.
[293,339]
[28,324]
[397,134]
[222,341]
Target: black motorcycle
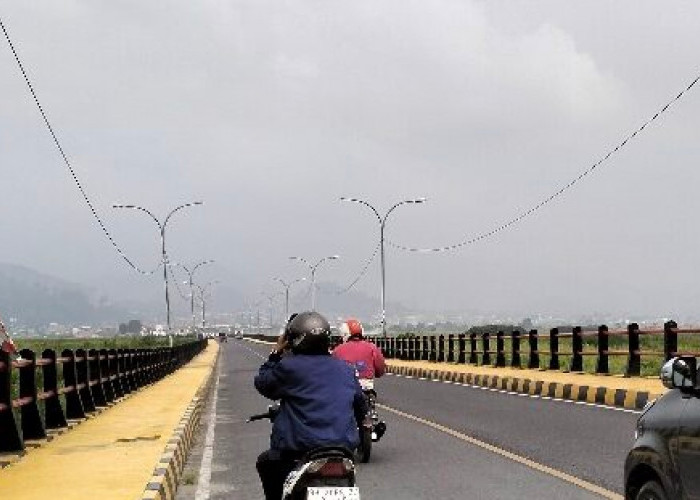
[324,473]
[373,428]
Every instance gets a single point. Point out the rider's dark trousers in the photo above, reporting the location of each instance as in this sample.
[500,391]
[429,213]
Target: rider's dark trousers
[273,468]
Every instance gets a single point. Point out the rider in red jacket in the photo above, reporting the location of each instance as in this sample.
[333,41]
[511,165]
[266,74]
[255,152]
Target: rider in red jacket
[363,355]
[368,362]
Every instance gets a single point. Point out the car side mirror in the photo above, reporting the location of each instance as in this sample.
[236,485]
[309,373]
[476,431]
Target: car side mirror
[680,372]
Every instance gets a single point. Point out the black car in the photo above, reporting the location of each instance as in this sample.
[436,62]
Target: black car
[664,462]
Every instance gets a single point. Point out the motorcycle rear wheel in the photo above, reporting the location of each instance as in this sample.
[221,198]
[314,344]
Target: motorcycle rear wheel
[365,448]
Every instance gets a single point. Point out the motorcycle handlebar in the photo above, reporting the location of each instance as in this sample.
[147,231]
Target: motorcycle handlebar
[260,416]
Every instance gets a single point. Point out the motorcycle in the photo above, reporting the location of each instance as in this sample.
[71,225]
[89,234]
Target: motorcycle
[374,428]
[324,473]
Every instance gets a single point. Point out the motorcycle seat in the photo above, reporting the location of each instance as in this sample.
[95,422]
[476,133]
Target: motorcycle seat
[329,452]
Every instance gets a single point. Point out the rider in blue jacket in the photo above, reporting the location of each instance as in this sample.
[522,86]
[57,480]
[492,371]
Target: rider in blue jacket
[321,402]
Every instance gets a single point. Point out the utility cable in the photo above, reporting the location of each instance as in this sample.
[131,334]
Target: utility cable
[556,194]
[362,272]
[177,282]
[65,157]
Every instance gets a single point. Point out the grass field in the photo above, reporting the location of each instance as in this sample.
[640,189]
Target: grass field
[123,342]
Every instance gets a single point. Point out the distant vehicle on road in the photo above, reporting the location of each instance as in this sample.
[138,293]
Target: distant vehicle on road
[239,334]
[223,337]
[664,462]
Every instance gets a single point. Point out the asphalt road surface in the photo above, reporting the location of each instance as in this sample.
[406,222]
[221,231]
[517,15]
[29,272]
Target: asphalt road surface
[444,441]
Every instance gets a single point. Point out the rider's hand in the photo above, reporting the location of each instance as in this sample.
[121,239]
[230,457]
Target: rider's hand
[281,344]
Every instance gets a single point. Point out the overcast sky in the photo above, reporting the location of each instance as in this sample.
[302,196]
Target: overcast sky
[270,111]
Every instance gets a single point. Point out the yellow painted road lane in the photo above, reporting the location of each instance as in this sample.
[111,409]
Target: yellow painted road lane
[111,456]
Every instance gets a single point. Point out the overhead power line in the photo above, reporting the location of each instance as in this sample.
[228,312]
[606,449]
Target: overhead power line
[362,272]
[65,157]
[553,196]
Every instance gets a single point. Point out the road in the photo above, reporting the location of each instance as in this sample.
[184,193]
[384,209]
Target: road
[444,441]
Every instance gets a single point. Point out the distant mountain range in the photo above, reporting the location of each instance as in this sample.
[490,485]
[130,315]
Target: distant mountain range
[35,299]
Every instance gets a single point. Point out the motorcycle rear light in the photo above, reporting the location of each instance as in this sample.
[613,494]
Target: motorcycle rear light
[333,469]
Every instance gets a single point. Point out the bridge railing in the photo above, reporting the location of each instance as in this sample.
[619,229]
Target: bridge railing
[45,398]
[634,350]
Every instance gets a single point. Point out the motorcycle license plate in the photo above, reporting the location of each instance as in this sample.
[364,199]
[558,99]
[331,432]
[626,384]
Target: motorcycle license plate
[333,493]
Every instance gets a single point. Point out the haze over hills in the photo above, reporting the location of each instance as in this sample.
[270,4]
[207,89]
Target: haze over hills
[33,299]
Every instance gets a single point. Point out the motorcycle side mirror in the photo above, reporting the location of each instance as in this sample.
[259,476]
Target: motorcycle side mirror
[680,373]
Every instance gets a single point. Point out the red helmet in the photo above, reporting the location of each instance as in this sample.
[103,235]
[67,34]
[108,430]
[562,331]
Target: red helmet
[352,327]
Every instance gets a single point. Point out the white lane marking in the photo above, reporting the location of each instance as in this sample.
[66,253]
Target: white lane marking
[593,488]
[534,396]
[253,352]
[204,484]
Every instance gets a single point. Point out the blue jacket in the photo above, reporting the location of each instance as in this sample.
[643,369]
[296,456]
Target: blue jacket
[321,400]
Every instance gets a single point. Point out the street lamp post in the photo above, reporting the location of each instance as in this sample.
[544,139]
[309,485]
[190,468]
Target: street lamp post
[313,268]
[190,273]
[271,298]
[286,292]
[202,291]
[161,227]
[382,224]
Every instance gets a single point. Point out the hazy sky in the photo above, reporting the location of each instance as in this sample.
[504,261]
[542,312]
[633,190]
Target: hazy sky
[270,111]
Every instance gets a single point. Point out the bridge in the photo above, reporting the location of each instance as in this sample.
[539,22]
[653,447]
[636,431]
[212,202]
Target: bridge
[455,430]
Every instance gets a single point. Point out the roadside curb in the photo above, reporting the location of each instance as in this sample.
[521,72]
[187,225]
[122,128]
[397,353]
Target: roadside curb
[620,398]
[166,475]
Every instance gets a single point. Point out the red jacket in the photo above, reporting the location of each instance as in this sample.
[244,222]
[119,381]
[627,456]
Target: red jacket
[364,356]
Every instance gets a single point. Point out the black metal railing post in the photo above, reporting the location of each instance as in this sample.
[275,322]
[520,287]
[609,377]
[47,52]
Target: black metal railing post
[462,353]
[500,350]
[602,365]
[53,411]
[486,355]
[473,353]
[534,357]
[554,349]
[81,372]
[433,348]
[515,349]
[577,350]
[123,371]
[450,348]
[32,426]
[670,339]
[74,407]
[634,359]
[107,386]
[95,377]
[10,437]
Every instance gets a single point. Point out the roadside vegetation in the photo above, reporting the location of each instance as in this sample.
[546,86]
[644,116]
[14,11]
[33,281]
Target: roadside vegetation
[121,342]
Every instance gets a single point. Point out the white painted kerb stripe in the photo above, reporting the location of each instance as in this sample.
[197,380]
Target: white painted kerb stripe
[204,482]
